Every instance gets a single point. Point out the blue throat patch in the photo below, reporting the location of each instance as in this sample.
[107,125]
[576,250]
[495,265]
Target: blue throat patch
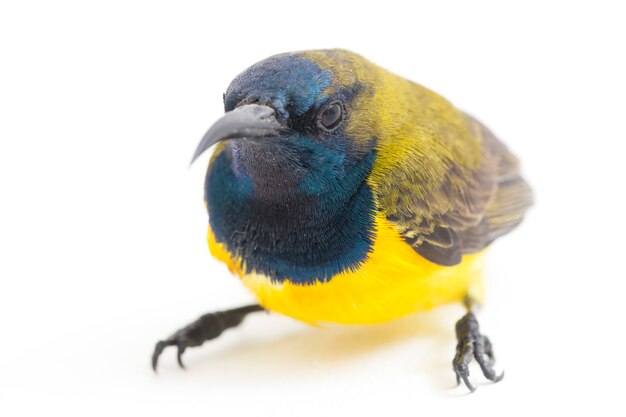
[310,235]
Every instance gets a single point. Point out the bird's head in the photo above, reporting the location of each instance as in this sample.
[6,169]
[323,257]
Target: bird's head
[299,121]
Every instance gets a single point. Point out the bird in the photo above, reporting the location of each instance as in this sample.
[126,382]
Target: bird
[339,192]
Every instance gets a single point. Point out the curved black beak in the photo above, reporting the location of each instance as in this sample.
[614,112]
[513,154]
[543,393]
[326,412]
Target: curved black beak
[248,121]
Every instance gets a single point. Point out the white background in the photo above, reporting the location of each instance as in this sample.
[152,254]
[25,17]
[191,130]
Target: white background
[102,224]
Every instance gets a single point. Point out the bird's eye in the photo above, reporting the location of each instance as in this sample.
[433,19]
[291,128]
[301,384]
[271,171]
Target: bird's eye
[332,116]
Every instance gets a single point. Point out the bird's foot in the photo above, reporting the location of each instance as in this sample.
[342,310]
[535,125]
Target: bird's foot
[472,344]
[207,327]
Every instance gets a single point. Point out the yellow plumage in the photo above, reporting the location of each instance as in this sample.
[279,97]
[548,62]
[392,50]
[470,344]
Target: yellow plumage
[392,282]
[436,181]
[347,194]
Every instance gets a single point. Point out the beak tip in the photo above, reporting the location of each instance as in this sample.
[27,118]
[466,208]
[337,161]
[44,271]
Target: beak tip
[196,155]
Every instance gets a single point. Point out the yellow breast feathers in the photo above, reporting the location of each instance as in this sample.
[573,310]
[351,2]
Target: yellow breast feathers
[393,281]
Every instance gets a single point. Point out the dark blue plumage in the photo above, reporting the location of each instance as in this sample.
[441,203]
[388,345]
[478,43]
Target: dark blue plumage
[297,206]
[288,83]
[367,196]
[304,235]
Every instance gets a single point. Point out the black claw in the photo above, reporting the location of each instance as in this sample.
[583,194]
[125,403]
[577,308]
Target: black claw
[472,344]
[158,349]
[205,328]
[462,374]
[468,384]
[179,356]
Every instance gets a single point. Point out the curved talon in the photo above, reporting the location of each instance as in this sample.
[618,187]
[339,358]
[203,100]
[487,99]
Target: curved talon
[207,327]
[158,349]
[179,355]
[468,384]
[462,373]
[472,344]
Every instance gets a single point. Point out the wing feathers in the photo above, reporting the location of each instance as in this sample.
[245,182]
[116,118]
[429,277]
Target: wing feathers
[471,209]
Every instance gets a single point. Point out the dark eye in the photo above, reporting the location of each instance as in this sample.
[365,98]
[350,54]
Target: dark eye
[332,116]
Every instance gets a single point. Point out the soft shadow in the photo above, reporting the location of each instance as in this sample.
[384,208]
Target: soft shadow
[258,349]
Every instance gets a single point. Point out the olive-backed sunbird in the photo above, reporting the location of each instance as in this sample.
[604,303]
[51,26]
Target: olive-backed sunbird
[340,192]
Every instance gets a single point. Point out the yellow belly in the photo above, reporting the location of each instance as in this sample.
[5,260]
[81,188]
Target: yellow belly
[392,282]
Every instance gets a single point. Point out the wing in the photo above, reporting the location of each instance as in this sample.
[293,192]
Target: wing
[469,207]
